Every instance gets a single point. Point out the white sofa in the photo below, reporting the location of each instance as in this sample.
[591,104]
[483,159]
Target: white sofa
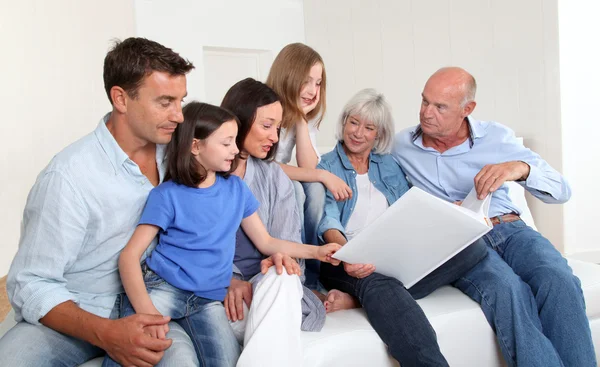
[463,332]
[464,335]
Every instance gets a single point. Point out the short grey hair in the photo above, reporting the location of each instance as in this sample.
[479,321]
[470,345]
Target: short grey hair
[469,90]
[370,105]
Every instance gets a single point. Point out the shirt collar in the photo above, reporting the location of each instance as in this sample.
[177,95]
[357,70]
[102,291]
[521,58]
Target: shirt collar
[115,153]
[109,145]
[475,131]
[375,158]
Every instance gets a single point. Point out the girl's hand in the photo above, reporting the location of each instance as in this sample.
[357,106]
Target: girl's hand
[157,331]
[325,253]
[340,190]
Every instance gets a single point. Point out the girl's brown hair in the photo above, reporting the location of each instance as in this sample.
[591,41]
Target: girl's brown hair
[287,76]
[200,120]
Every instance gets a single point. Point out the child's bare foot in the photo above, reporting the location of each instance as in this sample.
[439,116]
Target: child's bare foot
[338,300]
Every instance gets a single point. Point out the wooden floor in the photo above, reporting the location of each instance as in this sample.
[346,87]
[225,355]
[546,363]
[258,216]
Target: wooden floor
[4,305]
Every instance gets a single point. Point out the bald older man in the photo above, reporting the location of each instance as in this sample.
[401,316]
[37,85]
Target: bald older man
[526,289]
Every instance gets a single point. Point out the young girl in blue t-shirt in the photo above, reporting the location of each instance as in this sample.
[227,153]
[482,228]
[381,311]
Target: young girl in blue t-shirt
[196,213]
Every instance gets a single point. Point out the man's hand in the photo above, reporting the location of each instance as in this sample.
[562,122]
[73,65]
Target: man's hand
[492,176]
[359,270]
[238,292]
[339,189]
[280,261]
[127,343]
[325,253]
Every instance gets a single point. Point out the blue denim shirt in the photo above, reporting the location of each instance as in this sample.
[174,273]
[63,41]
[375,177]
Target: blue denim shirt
[384,172]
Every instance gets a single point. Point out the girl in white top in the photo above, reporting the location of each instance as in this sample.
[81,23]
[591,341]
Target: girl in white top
[298,77]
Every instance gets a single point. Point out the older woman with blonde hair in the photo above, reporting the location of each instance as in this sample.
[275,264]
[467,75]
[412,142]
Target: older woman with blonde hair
[361,158]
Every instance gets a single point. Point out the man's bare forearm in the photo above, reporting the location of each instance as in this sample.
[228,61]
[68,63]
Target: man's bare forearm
[70,319]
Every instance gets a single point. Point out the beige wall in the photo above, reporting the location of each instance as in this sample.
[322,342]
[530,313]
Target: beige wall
[510,46]
[52,90]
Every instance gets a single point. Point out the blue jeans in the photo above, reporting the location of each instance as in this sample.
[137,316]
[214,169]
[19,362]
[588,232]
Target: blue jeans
[204,320]
[310,197]
[531,299]
[28,345]
[393,311]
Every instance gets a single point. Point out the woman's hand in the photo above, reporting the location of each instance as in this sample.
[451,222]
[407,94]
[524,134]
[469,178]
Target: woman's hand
[359,270]
[325,253]
[280,261]
[339,189]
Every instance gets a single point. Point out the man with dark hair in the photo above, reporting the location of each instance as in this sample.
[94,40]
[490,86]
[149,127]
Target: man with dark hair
[64,282]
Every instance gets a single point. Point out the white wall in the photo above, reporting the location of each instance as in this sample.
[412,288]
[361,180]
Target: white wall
[190,25]
[52,90]
[580,79]
[509,46]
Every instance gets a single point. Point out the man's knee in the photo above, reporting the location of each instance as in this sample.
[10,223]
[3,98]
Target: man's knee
[557,279]
[493,281]
[36,345]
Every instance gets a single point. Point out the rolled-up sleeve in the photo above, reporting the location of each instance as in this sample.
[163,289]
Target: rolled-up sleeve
[543,182]
[52,233]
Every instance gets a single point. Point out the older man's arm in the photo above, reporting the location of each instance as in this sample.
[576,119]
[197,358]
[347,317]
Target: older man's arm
[54,228]
[527,168]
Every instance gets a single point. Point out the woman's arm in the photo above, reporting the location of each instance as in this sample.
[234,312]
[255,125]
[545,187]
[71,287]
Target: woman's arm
[268,245]
[131,271]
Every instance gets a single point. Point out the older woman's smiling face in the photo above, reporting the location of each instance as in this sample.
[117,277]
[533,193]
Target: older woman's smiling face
[359,135]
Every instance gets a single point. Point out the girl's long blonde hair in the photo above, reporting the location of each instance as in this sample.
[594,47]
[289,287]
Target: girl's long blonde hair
[287,76]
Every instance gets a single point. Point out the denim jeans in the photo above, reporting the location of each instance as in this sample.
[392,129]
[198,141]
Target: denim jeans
[28,345]
[393,311]
[310,197]
[204,320]
[531,298]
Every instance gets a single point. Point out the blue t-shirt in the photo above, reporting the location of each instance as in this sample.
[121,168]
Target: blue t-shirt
[197,233]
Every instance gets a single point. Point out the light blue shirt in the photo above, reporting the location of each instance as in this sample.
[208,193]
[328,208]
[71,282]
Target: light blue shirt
[450,175]
[80,213]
